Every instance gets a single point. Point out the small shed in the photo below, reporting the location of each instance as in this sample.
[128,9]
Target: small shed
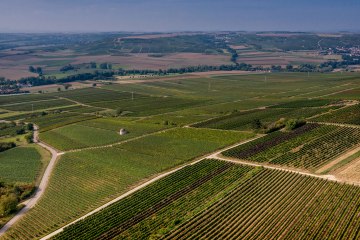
[123,131]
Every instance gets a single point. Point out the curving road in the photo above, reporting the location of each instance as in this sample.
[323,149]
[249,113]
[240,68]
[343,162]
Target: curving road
[42,186]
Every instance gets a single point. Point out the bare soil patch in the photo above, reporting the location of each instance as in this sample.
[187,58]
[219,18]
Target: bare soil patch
[143,61]
[350,172]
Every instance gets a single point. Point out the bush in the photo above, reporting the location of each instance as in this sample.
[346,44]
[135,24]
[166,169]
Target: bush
[6,145]
[29,138]
[30,126]
[8,204]
[292,124]
[256,124]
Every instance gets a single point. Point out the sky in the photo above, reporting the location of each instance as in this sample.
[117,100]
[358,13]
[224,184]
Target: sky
[178,15]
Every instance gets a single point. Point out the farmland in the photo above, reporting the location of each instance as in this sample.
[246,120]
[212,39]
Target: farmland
[307,147]
[222,200]
[21,164]
[87,182]
[95,132]
[348,115]
[173,122]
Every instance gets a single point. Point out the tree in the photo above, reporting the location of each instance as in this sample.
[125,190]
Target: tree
[30,126]
[8,204]
[39,70]
[92,64]
[66,86]
[256,124]
[20,131]
[289,68]
[29,138]
[103,66]
[32,69]
[59,89]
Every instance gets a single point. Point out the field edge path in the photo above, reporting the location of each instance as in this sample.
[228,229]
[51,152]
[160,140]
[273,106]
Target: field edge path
[42,186]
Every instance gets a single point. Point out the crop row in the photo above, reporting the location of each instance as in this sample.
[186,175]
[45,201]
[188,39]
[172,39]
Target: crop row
[243,120]
[307,148]
[305,103]
[253,148]
[39,105]
[279,205]
[55,120]
[319,151]
[144,206]
[92,95]
[87,179]
[349,115]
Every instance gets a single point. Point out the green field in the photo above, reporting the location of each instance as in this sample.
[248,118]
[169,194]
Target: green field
[20,164]
[173,122]
[90,178]
[95,132]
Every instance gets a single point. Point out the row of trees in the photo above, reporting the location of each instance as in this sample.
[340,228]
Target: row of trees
[37,70]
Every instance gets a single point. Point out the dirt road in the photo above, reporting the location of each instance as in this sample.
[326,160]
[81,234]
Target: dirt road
[42,186]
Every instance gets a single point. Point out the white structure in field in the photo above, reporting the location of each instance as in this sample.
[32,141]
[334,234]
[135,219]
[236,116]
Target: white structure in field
[123,131]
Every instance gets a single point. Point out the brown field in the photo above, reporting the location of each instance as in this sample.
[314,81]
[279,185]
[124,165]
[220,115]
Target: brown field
[350,172]
[266,59]
[143,61]
[164,35]
[15,72]
[277,34]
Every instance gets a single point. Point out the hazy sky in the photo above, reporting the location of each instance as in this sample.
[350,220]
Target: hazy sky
[178,15]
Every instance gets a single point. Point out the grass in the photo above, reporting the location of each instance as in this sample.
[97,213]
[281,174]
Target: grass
[20,164]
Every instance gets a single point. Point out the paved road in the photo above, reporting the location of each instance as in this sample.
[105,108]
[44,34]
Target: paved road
[42,186]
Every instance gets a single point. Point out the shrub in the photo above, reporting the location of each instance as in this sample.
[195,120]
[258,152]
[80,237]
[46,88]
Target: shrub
[8,204]
[292,124]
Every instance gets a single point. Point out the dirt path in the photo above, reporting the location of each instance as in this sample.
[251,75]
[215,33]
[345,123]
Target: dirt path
[338,160]
[146,184]
[215,155]
[219,157]
[337,124]
[42,186]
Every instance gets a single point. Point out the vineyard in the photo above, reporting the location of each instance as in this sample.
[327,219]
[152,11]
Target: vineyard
[221,201]
[92,95]
[97,132]
[307,147]
[90,178]
[349,115]
[30,106]
[20,164]
[243,120]
[172,123]
[278,205]
[56,120]
[306,103]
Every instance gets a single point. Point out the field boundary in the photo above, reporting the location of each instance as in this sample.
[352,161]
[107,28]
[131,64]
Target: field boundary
[31,202]
[214,155]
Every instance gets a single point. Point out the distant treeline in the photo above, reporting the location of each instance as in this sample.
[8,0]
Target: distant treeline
[110,73]
[45,80]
